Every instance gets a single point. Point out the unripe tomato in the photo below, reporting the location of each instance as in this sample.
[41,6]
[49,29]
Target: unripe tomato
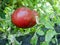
[23,17]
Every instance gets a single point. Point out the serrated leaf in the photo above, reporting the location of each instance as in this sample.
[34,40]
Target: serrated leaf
[46,22]
[2,30]
[2,15]
[49,35]
[13,40]
[58,20]
[39,31]
[44,43]
[34,39]
[48,25]
[17,43]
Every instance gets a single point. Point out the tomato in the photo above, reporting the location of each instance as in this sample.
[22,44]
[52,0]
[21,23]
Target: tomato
[23,17]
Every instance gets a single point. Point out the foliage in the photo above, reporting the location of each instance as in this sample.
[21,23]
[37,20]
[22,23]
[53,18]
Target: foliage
[49,15]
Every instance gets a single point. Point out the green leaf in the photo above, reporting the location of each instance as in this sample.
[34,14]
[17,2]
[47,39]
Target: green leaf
[39,31]
[2,15]
[17,43]
[46,22]
[34,39]
[2,30]
[58,20]
[48,25]
[13,40]
[44,43]
[13,2]
[50,1]
[49,35]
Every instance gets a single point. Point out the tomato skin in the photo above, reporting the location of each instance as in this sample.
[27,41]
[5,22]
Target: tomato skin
[23,18]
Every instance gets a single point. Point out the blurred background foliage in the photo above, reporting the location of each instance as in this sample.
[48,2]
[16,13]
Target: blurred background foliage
[49,19]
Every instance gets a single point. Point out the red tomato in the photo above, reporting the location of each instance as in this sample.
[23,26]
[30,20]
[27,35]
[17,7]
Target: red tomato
[23,17]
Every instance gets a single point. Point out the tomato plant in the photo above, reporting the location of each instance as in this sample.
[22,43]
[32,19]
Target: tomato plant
[19,24]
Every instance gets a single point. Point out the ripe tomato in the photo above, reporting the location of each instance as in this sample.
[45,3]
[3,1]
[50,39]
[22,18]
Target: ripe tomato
[23,17]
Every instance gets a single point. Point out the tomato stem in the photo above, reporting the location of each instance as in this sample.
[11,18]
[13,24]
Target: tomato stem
[37,19]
